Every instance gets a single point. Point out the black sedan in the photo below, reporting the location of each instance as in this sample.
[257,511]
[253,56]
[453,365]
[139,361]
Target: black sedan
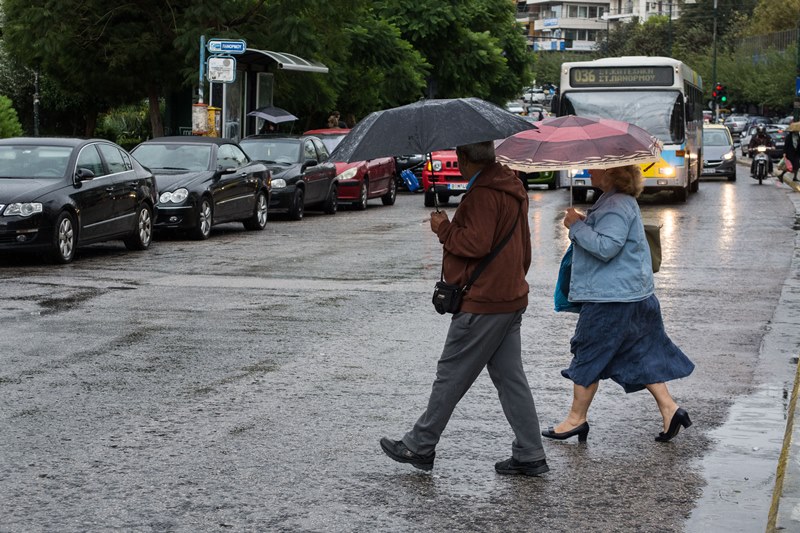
[302,176]
[203,181]
[58,193]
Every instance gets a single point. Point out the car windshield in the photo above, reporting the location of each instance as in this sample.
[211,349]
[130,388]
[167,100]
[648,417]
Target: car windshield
[173,156]
[660,113]
[331,141]
[285,151]
[26,161]
[715,138]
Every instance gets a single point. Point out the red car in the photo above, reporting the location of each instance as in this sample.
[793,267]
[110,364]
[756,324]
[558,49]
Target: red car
[444,179]
[360,181]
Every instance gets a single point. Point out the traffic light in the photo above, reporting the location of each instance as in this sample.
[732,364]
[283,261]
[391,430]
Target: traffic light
[719,94]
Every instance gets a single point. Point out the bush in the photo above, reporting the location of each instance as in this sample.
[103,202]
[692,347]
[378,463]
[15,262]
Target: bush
[127,126]
[9,121]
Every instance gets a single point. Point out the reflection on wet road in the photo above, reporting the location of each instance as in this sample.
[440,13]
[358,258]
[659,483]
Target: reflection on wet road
[243,382]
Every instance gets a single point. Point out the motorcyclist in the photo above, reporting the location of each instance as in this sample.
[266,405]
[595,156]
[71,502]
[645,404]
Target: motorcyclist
[761,138]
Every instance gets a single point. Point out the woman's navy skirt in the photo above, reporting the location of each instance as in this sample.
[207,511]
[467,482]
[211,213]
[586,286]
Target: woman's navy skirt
[625,342]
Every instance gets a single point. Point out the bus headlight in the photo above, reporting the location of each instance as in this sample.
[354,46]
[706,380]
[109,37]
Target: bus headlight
[667,171]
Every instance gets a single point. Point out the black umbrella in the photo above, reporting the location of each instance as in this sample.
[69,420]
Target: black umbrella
[276,115]
[426,126]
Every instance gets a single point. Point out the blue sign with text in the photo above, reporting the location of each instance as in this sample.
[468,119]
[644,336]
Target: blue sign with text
[217,46]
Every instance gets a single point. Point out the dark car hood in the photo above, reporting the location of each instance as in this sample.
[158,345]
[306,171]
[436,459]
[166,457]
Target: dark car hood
[171,180]
[26,190]
[280,171]
[715,152]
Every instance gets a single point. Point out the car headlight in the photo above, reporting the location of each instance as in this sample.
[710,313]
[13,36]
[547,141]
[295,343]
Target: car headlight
[174,197]
[437,165]
[728,156]
[22,209]
[348,174]
[278,183]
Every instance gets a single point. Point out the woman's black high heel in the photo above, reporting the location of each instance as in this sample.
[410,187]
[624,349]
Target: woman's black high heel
[581,431]
[680,418]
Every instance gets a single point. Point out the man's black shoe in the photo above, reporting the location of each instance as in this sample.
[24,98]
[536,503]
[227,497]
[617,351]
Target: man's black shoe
[513,467]
[400,453]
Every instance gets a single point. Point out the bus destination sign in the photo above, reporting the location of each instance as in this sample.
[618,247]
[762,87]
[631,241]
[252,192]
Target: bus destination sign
[621,76]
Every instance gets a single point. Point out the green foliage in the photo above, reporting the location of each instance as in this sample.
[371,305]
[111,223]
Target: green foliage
[548,65]
[475,47]
[9,123]
[125,125]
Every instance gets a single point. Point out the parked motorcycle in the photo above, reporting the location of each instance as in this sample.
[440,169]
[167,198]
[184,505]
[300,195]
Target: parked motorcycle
[760,164]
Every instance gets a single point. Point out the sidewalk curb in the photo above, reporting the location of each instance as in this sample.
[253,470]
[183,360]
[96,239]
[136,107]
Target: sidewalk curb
[781,517]
[783,459]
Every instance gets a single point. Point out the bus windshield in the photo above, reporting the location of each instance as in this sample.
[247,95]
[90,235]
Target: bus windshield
[660,113]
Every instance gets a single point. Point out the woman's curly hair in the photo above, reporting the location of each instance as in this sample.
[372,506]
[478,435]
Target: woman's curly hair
[627,179]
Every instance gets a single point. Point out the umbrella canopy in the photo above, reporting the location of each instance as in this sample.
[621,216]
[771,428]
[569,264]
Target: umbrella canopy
[426,126]
[572,142]
[275,115]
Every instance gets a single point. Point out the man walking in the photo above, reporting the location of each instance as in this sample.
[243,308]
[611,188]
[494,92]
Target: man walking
[486,331]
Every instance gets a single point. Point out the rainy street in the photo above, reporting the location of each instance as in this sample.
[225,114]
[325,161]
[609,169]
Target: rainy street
[242,383]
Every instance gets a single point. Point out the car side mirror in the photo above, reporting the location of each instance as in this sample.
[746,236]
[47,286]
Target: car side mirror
[227,170]
[310,163]
[83,174]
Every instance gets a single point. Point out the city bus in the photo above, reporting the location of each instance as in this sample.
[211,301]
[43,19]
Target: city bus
[659,94]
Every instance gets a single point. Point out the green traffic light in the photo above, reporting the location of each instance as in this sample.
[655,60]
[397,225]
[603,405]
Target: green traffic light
[724,99]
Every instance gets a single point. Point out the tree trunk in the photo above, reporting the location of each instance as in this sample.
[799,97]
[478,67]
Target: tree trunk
[91,123]
[156,123]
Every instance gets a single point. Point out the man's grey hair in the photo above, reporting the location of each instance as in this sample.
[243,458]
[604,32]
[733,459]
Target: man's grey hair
[481,153]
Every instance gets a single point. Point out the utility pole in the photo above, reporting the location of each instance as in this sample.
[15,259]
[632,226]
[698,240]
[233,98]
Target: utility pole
[36,103]
[714,63]
[797,80]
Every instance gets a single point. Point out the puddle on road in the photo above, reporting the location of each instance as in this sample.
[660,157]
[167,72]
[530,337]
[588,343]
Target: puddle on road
[740,468]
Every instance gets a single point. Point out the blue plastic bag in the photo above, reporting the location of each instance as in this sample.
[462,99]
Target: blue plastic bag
[561,294]
[411,181]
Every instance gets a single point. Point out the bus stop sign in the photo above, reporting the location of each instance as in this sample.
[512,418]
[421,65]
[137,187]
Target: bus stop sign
[218,46]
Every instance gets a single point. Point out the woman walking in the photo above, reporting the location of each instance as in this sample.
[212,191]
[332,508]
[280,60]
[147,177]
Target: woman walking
[620,333]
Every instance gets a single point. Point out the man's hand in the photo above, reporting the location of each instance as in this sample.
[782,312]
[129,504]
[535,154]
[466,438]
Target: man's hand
[572,216]
[436,219]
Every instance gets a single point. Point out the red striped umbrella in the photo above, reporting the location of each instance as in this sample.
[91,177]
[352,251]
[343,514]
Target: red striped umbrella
[572,142]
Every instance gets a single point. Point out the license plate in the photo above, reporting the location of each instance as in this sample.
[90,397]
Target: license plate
[457,186]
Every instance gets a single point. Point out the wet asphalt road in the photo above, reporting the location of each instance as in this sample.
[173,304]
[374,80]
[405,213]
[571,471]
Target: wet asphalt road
[242,383]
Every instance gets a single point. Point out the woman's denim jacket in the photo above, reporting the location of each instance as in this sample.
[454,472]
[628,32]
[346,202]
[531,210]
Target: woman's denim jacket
[610,258]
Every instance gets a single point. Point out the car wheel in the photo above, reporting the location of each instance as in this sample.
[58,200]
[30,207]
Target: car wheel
[430,199]
[142,235]
[362,198]
[298,205]
[525,183]
[732,177]
[65,239]
[205,214]
[391,195]
[332,203]
[443,197]
[258,220]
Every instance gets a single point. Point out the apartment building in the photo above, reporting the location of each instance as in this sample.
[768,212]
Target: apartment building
[552,25]
[580,24]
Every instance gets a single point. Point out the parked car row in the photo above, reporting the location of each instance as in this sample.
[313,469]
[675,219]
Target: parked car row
[57,194]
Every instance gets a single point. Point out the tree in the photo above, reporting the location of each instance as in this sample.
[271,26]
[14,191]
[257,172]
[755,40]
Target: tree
[475,47]
[9,123]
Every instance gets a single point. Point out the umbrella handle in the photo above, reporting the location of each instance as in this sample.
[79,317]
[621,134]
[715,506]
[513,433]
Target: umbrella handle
[433,183]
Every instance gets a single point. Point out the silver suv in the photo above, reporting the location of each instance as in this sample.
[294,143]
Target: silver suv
[736,124]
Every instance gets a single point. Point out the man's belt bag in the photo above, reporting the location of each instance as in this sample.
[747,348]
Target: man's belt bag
[447,296]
